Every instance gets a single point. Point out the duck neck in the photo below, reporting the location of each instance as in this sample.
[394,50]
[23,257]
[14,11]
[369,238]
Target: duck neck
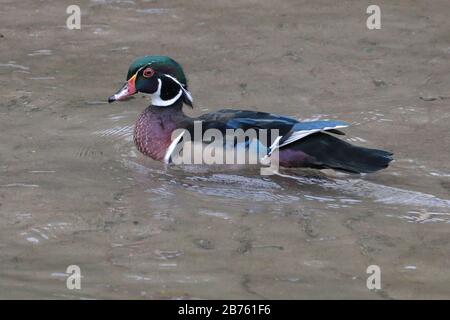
[154,127]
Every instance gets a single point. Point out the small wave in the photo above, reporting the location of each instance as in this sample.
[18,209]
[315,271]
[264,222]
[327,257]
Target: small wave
[377,192]
[117,131]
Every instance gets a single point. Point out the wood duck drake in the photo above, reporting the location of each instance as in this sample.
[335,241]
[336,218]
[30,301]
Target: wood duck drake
[309,144]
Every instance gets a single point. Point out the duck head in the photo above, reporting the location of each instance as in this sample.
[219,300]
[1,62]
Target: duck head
[159,76]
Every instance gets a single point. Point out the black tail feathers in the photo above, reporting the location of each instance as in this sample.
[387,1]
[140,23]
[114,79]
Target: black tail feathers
[327,151]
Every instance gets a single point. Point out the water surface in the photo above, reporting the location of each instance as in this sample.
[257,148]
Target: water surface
[74,190]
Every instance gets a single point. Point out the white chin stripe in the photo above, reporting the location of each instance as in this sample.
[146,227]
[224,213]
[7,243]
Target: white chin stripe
[186,92]
[156,97]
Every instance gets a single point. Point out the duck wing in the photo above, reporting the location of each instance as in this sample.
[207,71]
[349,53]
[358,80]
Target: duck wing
[243,119]
[303,129]
[290,129]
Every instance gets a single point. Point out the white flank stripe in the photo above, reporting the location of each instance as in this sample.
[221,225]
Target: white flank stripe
[171,148]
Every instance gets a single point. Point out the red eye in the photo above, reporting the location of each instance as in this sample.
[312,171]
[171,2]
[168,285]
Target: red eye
[148,73]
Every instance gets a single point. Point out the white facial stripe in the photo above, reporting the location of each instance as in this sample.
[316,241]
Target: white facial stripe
[156,97]
[135,74]
[186,92]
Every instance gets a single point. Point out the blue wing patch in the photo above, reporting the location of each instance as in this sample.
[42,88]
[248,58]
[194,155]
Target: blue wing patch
[260,123]
[322,125]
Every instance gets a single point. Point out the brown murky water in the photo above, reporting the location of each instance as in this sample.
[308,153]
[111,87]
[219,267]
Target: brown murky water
[73,189]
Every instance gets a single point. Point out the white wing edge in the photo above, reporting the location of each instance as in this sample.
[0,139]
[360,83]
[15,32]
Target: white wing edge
[297,135]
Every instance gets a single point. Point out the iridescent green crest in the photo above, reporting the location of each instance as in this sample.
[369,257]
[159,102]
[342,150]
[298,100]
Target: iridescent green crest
[161,64]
